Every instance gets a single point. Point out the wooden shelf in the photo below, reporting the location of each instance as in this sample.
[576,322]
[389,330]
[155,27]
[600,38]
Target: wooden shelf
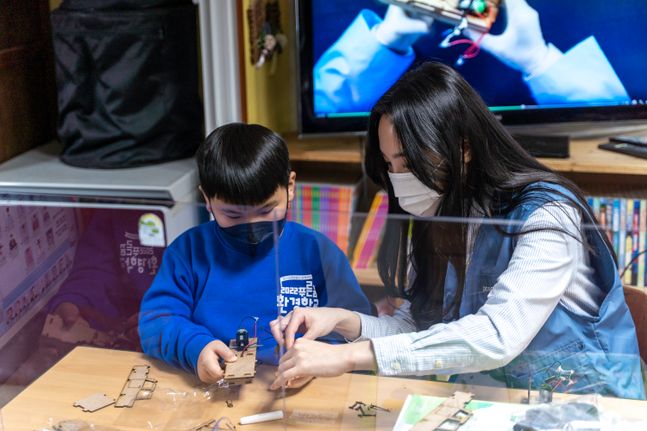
[586,157]
[327,150]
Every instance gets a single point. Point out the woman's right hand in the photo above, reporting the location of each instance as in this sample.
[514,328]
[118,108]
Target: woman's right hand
[314,323]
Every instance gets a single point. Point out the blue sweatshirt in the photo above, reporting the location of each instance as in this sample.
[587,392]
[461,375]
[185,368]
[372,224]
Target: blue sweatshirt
[206,290]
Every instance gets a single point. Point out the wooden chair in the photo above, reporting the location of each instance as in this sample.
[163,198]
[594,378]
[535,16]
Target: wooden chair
[636,298]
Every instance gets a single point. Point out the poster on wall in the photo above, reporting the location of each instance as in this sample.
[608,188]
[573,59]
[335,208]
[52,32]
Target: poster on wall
[37,246]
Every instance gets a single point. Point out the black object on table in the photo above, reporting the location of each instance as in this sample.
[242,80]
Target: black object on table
[625,148]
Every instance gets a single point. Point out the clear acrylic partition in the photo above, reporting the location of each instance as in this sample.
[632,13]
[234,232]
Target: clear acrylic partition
[74,273]
[584,356]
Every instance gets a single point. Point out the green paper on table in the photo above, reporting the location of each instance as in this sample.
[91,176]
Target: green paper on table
[485,413]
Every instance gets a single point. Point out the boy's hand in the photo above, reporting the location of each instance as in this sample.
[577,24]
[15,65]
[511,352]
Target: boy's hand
[209,370]
[69,312]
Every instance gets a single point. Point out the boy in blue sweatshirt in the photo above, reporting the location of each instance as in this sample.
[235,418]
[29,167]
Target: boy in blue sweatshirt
[221,276]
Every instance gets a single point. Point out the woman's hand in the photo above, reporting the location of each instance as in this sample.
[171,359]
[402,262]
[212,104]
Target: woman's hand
[308,358]
[314,323]
[399,29]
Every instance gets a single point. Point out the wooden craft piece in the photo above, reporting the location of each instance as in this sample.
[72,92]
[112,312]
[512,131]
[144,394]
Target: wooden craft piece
[94,402]
[450,415]
[78,425]
[71,425]
[79,332]
[211,425]
[138,387]
[206,426]
[244,369]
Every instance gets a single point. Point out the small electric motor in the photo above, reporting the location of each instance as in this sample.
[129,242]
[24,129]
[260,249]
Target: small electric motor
[242,338]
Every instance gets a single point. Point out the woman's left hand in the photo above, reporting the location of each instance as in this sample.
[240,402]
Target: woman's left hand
[308,358]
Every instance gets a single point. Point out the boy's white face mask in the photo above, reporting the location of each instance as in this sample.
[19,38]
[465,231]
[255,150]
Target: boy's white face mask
[413,196]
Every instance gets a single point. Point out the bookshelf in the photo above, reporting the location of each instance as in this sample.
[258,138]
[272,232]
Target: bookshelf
[597,172]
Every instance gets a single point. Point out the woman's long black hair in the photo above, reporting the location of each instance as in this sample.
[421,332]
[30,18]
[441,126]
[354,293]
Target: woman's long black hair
[438,118]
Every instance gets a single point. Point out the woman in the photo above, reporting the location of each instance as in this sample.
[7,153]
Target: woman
[533,297]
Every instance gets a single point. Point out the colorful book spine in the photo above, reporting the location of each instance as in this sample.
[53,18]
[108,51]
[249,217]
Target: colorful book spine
[626,279]
[627,224]
[642,243]
[615,224]
[609,217]
[326,208]
[323,210]
[620,249]
[369,238]
[635,232]
[596,207]
[341,207]
[316,206]
[602,214]
[307,206]
[380,227]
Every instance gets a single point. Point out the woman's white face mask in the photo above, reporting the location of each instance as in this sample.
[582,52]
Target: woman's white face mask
[413,196]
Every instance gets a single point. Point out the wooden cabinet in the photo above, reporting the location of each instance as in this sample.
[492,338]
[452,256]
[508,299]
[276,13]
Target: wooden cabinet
[27,83]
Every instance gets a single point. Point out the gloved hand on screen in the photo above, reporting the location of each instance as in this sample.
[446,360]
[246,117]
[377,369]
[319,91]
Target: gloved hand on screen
[521,46]
[400,30]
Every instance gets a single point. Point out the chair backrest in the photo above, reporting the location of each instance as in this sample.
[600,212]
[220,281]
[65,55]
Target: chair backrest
[636,298]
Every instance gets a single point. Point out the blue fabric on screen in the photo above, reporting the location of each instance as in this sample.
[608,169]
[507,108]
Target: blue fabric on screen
[564,81]
[357,69]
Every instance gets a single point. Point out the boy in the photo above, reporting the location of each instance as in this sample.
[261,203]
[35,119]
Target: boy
[221,276]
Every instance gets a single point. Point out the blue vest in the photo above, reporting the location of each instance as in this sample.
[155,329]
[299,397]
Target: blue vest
[599,354]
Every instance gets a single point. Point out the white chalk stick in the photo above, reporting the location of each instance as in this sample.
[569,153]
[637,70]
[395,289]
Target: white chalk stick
[262,417]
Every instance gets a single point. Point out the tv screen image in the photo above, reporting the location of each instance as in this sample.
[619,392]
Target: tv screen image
[541,61]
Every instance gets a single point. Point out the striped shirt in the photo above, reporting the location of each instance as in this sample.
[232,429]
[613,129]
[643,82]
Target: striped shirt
[547,267]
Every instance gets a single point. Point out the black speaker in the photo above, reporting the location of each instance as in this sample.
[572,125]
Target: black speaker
[545,146]
[128,92]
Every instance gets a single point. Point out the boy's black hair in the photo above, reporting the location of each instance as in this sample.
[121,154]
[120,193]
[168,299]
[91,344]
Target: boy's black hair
[243,164]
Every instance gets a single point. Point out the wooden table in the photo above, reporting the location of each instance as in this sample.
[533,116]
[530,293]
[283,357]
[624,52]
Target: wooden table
[180,402]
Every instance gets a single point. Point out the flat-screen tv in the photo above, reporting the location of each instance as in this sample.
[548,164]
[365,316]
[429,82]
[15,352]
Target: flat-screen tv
[534,62]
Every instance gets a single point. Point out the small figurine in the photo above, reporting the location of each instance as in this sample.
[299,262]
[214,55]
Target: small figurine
[265,35]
